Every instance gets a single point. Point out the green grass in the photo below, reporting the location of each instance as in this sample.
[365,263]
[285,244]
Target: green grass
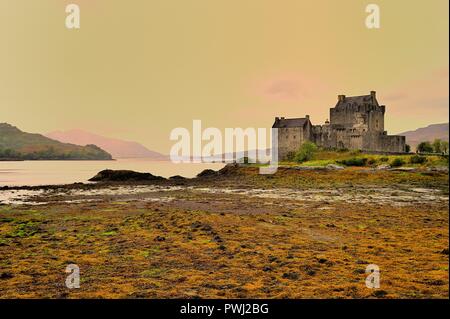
[25,229]
[356,158]
[4,242]
[323,162]
[153,273]
[109,233]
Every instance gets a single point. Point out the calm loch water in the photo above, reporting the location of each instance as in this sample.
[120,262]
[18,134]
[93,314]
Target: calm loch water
[64,172]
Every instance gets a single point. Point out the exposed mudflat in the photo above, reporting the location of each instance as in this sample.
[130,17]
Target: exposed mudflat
[385,195]
[296,234]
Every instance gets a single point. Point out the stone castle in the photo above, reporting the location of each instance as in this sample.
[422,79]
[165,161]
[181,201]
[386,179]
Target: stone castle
[356,123]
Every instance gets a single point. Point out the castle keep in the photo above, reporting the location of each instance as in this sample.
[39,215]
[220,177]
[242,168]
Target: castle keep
[356,123]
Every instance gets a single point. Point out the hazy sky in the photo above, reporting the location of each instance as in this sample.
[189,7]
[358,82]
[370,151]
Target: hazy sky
[138,68]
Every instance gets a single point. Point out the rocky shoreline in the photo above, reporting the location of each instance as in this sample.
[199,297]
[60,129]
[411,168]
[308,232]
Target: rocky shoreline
[284,235]
[127,177]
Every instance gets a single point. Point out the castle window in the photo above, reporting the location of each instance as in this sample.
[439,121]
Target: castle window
[294,137]
[376,125]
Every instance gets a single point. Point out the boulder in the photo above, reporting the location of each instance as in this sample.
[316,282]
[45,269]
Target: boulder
[109,175]
[207,173]
[229,169]
[177,178]
[443,169]
[334,167]
[404,169]
[302,168]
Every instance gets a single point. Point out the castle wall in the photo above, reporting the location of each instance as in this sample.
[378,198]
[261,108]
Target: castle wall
[393,143]
[374,141]
[355,142]
[321,135]
[343,117]
[289,140]
[342,138]
[375,120]
[332,137]
[356,123]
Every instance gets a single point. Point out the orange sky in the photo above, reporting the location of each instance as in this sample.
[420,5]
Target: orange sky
[136,69]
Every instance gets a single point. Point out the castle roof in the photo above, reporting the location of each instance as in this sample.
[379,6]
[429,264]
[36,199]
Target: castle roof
[295,122]
[344,101]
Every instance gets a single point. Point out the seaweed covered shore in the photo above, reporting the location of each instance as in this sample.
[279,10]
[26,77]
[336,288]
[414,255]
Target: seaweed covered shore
[299,233]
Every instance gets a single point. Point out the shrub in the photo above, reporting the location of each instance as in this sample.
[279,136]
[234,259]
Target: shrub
[397,162]
[417,159]
[354,161]
[384,159]
[306,152]
[407,148]
[371,161]
[290,156]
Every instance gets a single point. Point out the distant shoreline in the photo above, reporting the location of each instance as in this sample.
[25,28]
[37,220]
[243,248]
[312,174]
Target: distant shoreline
[51,159]
[11,160]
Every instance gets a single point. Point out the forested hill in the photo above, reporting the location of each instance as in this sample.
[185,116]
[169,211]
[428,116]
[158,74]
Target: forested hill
[18,145]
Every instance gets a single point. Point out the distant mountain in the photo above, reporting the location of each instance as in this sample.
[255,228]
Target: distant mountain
[18,145]
[116,147]
[429,133]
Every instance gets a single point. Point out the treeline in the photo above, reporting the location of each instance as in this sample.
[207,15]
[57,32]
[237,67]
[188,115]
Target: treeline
[90,152]
[437,146]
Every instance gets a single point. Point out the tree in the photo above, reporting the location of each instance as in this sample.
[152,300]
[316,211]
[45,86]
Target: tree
[437,145]
[407,148]
[425,147]
[444,147]
[306,152]
[9,153]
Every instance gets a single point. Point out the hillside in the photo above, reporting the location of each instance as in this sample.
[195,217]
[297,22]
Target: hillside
[429,133]
[116,147]
[18,145]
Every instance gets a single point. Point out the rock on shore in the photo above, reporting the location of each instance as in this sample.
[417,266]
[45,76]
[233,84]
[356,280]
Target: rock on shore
[123,176]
